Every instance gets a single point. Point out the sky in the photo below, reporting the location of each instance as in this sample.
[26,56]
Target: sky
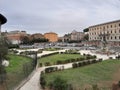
[59,16]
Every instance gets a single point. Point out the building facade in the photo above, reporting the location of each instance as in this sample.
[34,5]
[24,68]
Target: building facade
[77,36]
[109,32]
[15,36]
[51,36]
[37,36]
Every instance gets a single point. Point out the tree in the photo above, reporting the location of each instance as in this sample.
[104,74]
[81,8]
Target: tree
[86,30]
[3,54]
[24,39]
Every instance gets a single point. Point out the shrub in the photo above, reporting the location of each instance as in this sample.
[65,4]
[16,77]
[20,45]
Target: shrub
[50,69]
[100,60]
[58,84]
[40,64]
[47,64]
[94,61]
[81,58]
[42,81]
[80,64]
[74,65]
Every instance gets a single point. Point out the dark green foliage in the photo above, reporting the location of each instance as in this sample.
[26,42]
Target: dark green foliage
[42,81]
[86,30]
[58,84]
[26,40]
[3,54]
[10,46]
[50,69]
[74,65]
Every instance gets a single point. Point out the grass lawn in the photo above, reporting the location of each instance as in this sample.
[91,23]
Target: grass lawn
[61,57]
[15,70]
[99,73]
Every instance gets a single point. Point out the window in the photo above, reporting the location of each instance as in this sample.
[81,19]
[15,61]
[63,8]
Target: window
[119,24]
[115,37]
[111,26]
[111,37]
[111,31]
[115,31]
[107,26]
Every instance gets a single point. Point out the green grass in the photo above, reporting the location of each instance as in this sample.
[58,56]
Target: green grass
[88,75]
[61,57]
[15,70]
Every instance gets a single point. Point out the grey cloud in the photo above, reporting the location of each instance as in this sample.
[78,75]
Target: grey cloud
[60,16]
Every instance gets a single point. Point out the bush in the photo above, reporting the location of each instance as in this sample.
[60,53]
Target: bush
[74,65]
[50,69]
[94,61]
[42,81]
[80,64]
[40,64]
[100,60]
[47,64]
[58,84]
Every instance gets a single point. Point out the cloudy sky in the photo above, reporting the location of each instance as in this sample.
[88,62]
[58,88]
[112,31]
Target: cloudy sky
[60,16]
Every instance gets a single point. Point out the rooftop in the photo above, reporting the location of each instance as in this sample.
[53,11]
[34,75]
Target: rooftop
[105,23]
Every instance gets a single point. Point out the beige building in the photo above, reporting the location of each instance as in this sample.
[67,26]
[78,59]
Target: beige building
[109,31]
[51,36]
[77,36]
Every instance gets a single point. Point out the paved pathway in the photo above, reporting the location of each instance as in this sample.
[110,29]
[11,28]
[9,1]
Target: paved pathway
[33,83]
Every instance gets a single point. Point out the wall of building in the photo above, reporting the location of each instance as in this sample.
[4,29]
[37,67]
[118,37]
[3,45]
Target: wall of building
[52,37]
[110,31]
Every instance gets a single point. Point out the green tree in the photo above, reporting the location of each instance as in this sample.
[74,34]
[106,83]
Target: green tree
[86,30]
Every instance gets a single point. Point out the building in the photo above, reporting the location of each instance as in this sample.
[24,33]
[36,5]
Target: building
[51,36]
[37,36]
[110,32]
[76,36]
[3,20]
[15,36]
[66,38]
